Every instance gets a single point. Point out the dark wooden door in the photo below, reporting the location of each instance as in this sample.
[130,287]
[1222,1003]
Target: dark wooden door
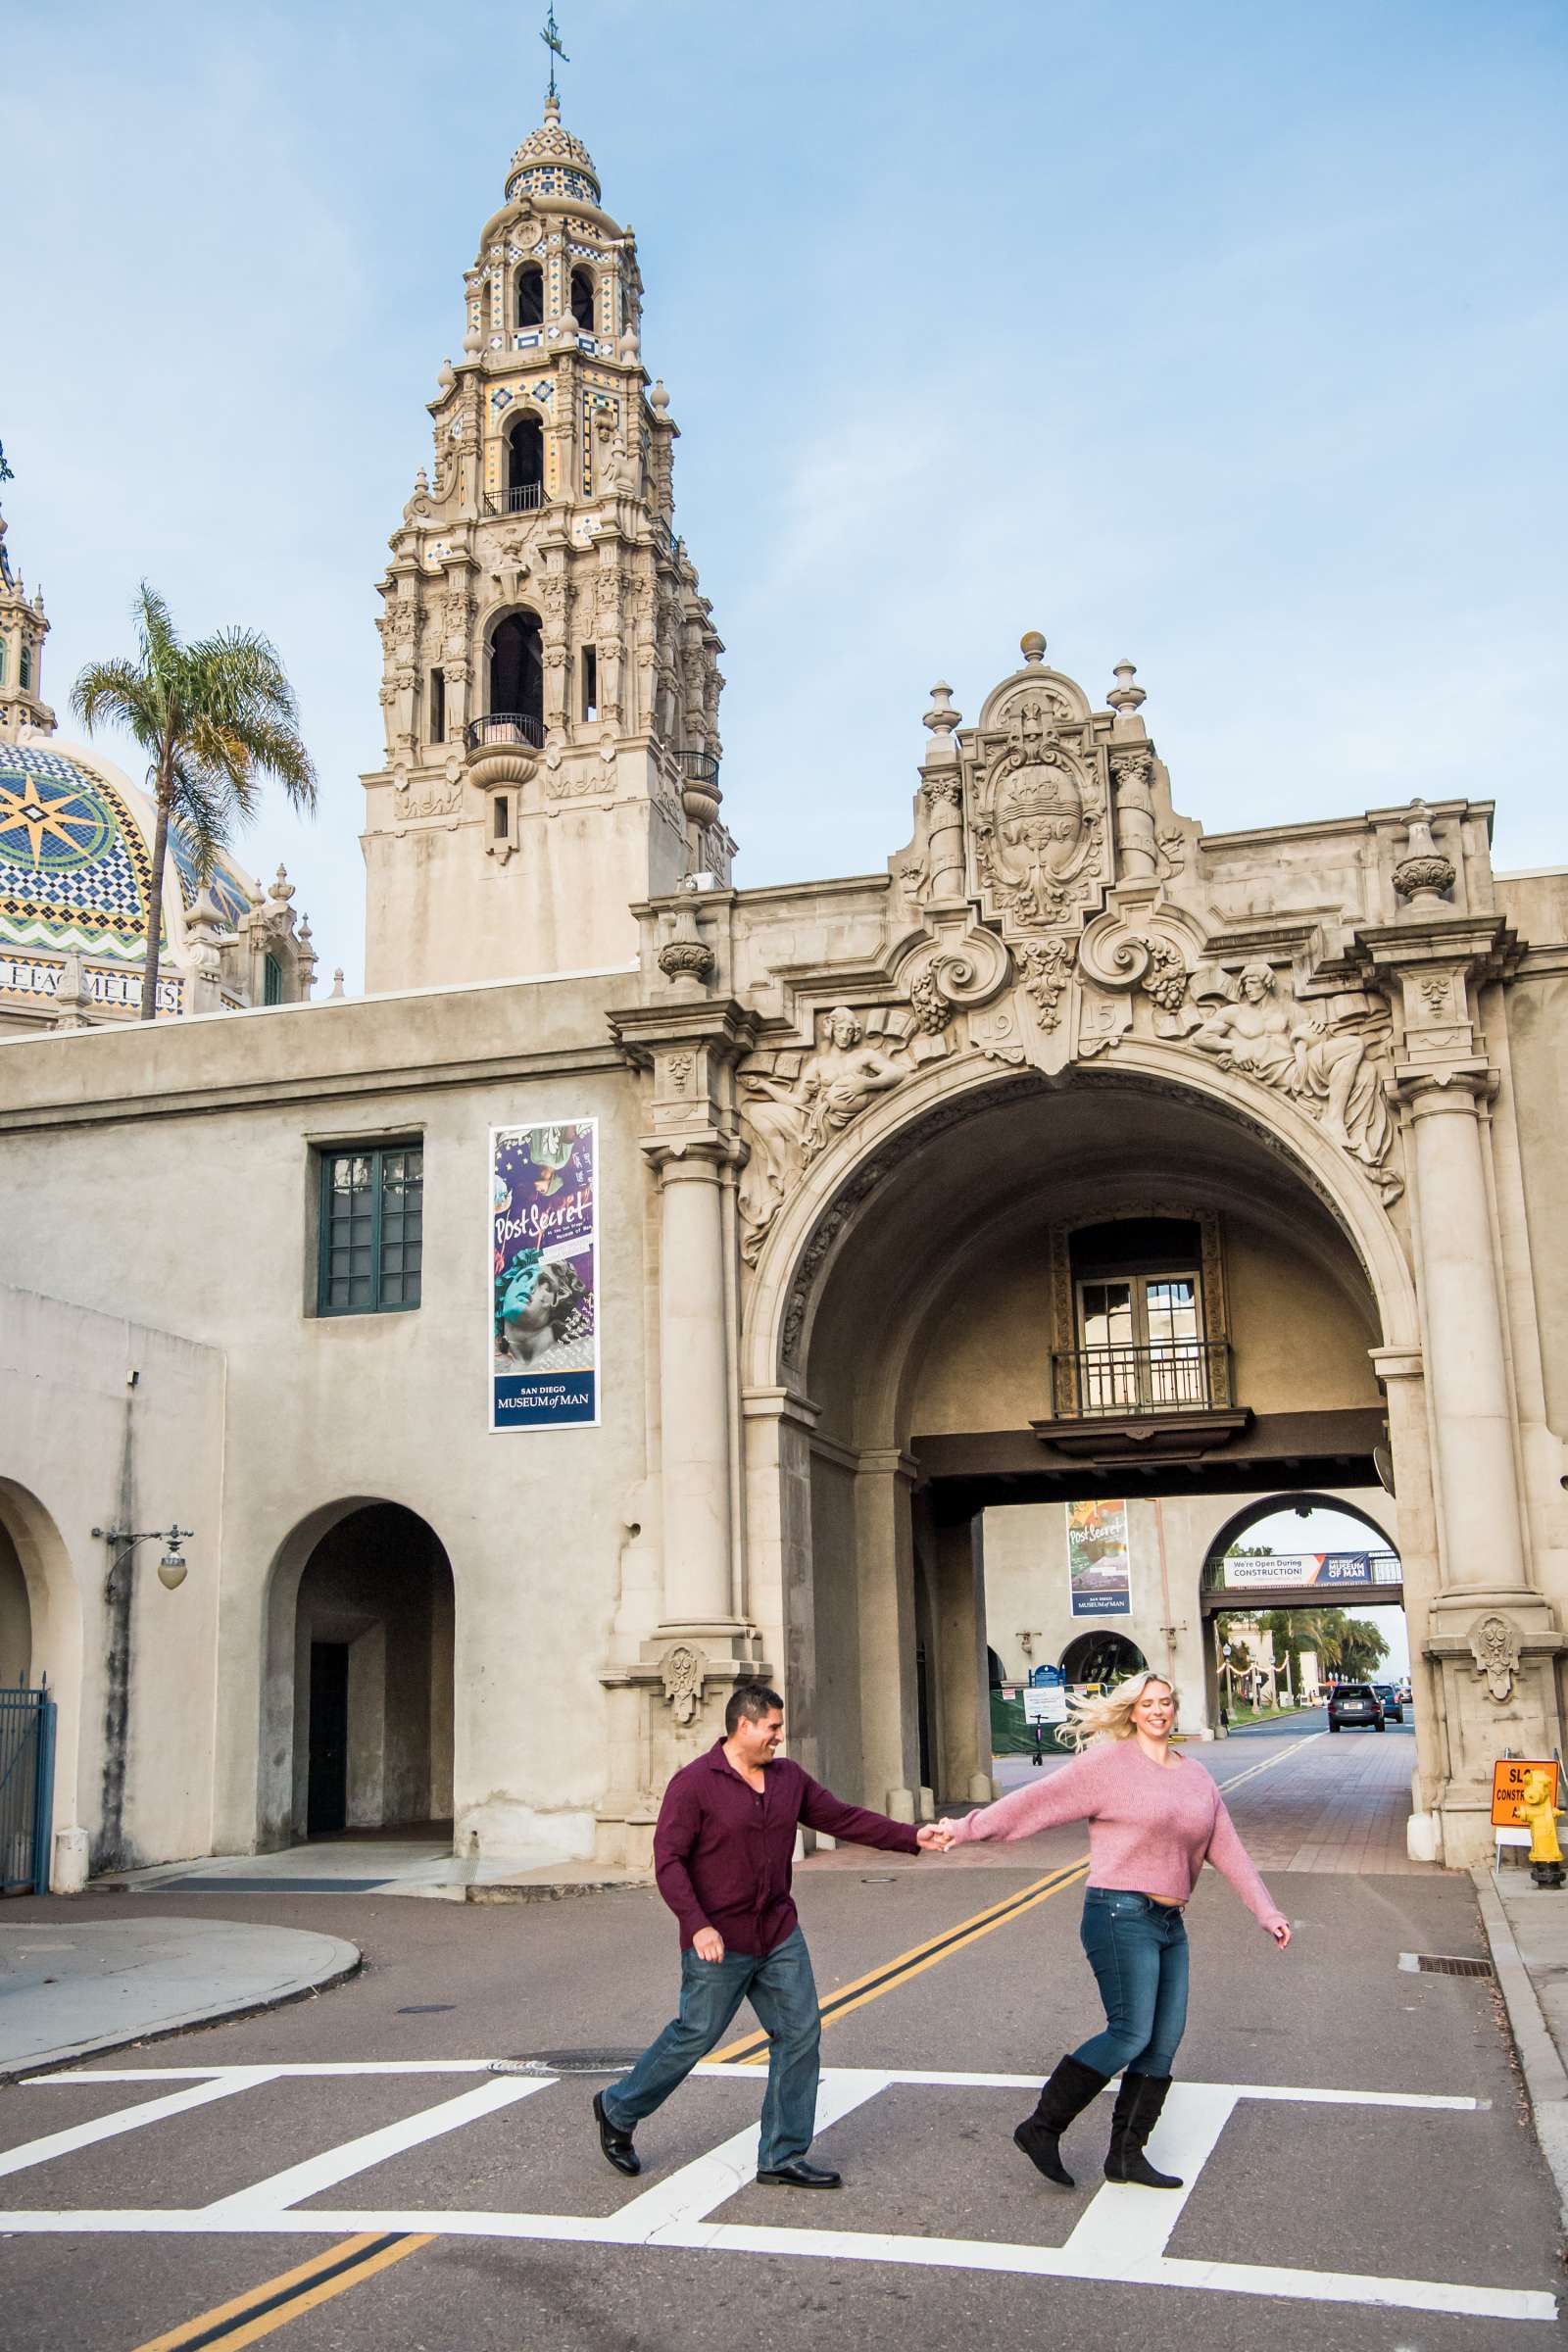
[326,1805]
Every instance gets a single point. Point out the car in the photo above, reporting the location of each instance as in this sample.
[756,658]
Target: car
[1393,1701]
[1356,1704]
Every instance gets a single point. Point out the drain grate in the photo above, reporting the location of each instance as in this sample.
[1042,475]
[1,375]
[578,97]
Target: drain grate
[1442,1964]
[568,2062]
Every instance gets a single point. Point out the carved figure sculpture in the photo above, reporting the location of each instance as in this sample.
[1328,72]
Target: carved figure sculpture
[1496,1651]
[1294,1051]
[683,1678]
[839,1079]
[791,1121]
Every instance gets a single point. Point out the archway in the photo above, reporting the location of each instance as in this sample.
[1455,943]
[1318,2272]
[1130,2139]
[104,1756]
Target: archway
[525,462]
[1101,1658]
[517,676]
[1300,1592]
[925,1291]
[372,1677]
[16,1616]
[41,1644]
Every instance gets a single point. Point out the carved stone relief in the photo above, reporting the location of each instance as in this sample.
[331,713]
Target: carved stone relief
[796,1101]
[1496,1651]
[1037,819]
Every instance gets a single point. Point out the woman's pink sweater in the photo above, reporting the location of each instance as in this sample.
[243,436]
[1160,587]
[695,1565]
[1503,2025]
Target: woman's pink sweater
[1151,1826]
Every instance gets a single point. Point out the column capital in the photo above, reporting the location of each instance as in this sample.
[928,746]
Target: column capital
[699,1157]
[1483,946]
[717,1027]
[1396,1363]
[1461,1086]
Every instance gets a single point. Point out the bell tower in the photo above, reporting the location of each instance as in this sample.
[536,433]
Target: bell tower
[22,630]
[551,669]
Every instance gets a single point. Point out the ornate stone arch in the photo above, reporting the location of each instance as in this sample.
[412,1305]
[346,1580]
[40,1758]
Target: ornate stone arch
[811,1226]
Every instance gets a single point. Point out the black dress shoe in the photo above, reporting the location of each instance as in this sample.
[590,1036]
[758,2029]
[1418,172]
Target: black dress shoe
[615,2144]
[801,2174]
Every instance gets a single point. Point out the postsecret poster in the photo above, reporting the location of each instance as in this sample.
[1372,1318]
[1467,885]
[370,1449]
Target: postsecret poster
[1099,1562]
[543,1251]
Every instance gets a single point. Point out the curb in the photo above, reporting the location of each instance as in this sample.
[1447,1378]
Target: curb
[49,2061]
[555,1890]
[1544,2077]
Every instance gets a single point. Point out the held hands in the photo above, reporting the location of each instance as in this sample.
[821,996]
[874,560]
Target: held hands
[708,1944]
[1282,1934]
[934,1837]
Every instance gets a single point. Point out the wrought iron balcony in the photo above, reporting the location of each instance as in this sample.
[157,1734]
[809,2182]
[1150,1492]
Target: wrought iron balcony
[523,499]
[503,727]
[1177,1376]
[698,767]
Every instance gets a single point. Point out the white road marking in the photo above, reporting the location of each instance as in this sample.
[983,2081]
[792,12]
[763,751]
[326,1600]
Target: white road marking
[1121,2236]
[316,2173]
[131,2119]
[671,2211]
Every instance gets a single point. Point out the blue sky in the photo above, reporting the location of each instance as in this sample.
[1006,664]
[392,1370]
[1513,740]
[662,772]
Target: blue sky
[1230,339]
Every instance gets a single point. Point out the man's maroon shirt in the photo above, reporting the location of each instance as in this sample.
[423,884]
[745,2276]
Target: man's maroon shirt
[722,1854]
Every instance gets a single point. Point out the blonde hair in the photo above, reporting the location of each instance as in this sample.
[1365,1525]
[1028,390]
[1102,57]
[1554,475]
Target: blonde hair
[1110,1715]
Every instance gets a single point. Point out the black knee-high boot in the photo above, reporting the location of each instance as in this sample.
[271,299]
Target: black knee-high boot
[1136,2113]
[1068,2093]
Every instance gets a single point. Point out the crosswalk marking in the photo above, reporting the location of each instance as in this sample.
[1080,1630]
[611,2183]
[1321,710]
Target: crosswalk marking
[1121,2235]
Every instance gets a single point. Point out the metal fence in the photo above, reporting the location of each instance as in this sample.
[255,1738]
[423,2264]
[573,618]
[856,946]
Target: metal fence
[26,1789]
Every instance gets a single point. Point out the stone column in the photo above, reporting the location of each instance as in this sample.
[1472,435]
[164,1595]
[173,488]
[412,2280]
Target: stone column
[694,1384]
[884,1542]
[1466,1368]
[965,1768]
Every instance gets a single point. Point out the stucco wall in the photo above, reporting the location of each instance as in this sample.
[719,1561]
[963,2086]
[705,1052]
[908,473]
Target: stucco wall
[207,1220]
[109,1423]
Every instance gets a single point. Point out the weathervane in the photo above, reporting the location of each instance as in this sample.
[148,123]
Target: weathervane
[551,37]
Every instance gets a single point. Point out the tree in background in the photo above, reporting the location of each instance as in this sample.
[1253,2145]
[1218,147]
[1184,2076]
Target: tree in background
[213,719]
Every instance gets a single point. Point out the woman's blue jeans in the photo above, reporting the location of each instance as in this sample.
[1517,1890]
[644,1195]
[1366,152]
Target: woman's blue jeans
[1138,1951]
[782,1990]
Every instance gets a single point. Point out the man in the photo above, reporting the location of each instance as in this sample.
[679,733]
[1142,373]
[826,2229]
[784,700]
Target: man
[722,1855]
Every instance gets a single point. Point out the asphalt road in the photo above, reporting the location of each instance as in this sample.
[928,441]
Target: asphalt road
[939,2236]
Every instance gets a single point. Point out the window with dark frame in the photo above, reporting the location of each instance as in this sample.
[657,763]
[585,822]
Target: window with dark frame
[502,820]
[438,705]
[272,980]
[590,681]
[373,1230]
[1140,1334]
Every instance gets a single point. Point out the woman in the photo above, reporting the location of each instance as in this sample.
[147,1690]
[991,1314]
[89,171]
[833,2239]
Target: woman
[1154,1819]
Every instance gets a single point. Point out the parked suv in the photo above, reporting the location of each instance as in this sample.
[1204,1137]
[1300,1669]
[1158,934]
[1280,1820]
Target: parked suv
[1393,1701]
[1355,1703]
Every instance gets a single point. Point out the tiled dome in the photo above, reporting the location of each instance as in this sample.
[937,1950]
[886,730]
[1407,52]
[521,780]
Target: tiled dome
[551,162]
[75,862]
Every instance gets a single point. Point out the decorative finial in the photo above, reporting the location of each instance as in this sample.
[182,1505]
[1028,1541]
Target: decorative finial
[551,37]
[1032,646]
[338,990]
[282,888]
[1124,697]
[942,718]
[1423,874]
[446,376]
[658,398]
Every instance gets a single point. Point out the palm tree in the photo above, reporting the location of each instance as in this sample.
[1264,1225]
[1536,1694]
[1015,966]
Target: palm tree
[213,719]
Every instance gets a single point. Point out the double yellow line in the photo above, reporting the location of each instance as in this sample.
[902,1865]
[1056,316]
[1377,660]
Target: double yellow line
[894,1972]
[277,2301]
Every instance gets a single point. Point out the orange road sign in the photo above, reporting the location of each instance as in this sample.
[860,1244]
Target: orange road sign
[1507,1791]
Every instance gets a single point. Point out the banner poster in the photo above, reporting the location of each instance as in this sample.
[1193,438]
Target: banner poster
[544,1253]
[1342,1568]
[1099,1563]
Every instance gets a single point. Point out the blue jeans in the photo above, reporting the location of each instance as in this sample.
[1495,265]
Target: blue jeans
[1138,1951]
[782,1990]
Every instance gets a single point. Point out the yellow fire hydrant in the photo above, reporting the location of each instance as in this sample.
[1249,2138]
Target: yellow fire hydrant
[1541,1820]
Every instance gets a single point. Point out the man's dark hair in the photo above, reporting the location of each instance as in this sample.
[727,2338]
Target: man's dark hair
[750,1702]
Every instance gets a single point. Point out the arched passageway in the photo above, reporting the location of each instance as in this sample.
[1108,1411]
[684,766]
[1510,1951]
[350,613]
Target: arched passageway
[373,1685]
[1101,1291]
[16,1616]
[1101,1658]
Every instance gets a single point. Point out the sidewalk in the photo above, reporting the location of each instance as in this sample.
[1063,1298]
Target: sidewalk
[1527,1929]
[72,1986]
[420,1867]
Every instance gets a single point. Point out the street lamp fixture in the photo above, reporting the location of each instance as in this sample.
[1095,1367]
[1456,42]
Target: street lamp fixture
[123,1541]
